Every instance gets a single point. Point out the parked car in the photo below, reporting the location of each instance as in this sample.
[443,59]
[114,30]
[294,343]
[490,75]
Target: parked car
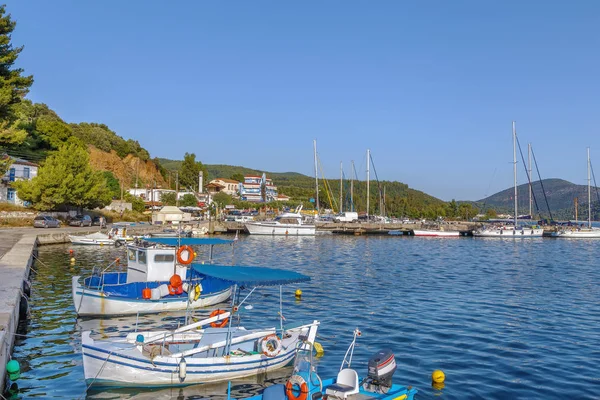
[45,221]
[81,220]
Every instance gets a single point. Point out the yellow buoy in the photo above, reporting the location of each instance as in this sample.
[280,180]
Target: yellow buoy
[72,260]
[438,376]
[298,293]
[319,349]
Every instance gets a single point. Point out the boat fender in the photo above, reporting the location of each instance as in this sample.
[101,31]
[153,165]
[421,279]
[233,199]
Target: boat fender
[271,345]
[182,370]
[197,291]
[218,324]
[190,255]
[296,380]
[175,285]
[27,288]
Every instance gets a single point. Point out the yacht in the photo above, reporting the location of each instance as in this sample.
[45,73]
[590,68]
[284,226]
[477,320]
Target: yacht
[289,223]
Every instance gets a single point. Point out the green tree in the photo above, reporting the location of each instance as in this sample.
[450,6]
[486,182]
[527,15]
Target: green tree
[188,200]
[238,177]
[190,170]
[66,179]
[168,199]
[113,184]
[222,199]
[491,213]
[137,203]
[13,85]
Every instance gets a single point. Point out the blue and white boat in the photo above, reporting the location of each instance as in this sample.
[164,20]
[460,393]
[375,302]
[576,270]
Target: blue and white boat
[211,350]
[158,279]
[306,384]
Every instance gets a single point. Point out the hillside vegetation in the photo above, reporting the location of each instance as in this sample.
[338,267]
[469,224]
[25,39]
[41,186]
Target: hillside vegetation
[560,195]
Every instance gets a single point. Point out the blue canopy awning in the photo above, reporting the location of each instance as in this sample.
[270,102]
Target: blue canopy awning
[250,276]
[173,241]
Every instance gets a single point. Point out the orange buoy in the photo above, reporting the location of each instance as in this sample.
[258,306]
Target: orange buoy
[146,293]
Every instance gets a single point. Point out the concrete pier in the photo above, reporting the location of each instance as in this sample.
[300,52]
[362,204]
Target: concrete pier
[14,269]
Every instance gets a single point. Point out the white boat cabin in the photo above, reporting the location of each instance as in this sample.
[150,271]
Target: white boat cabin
[151,264]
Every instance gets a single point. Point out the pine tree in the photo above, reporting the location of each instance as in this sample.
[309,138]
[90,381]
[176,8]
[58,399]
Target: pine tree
[13,85]
[66,179]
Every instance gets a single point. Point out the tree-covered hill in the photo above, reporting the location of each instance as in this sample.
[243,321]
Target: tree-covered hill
[560,195]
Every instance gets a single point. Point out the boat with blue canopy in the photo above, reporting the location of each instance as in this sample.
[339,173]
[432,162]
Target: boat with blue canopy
[210,350]
[159,277]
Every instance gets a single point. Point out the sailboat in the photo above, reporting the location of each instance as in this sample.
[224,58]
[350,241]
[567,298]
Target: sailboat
[582,232]
[510,230]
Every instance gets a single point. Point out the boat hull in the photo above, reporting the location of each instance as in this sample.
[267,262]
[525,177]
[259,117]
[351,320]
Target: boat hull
[262,228]
[91,241]
[124,364]
[433,233]
[509,233]
[578,234]
[88,302]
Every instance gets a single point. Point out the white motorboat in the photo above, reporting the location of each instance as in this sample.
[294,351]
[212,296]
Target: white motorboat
[191,355]
[435,233]
[96,238]
[289,223]
[511,231]
[116,235]
[158,278]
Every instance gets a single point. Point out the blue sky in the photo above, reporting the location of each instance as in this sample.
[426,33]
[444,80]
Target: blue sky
[431,87]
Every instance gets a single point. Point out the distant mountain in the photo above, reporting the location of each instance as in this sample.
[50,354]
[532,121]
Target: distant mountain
[560,195]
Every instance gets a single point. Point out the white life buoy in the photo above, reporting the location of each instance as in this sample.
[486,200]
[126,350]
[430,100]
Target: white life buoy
[271,345]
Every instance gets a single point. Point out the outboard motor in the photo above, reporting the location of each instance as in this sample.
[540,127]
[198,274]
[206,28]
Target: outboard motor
[381,369]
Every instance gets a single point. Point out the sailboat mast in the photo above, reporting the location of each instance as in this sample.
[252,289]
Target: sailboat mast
[589,192]
[316,175]
[530,179]
[352,187]
[341,181]
[368,162]
[515,167]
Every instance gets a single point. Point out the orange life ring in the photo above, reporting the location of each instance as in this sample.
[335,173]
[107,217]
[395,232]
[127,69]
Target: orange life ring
[180,251]
[218,324]
[289,388]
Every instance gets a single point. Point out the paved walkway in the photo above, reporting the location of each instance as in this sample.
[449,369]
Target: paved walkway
[8,238]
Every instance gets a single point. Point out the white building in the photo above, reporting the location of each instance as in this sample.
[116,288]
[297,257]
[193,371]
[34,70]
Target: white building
[229,186]
[251,189]
[19,170]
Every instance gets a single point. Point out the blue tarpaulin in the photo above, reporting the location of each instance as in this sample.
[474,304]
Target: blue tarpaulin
[173,241]
[250,276]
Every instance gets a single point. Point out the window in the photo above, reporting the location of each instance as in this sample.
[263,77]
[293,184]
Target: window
[131,254]
[163,258]
[10,194]
[142,256]
[11,175]
[26,172]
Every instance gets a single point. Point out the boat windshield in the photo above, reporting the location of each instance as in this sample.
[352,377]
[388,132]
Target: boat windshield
[288,220]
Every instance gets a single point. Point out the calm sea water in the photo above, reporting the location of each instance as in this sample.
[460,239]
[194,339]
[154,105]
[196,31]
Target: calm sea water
[504,319]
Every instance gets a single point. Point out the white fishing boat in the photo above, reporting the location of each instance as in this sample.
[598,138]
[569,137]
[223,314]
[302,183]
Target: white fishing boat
[581,232]
[116,235]
[514,230]
[435,233]
[96,238]
[306,384]
[159,278]
[289,223]
[211,350]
